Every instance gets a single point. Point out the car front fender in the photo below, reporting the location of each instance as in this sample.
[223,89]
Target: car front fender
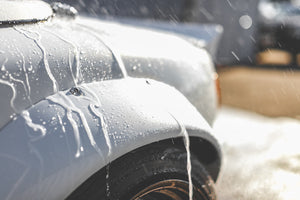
[58,143]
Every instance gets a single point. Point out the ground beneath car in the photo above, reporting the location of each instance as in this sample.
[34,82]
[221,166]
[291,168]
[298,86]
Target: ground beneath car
[261,156]
[267,91]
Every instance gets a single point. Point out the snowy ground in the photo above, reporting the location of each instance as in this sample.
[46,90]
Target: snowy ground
[261,156]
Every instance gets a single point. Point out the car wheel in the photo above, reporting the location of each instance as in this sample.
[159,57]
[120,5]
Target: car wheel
[155,172]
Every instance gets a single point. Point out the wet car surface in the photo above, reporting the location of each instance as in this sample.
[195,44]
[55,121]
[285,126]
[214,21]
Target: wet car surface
[84,95]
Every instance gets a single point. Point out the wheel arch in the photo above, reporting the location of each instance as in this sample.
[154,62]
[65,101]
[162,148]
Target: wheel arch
[199,147]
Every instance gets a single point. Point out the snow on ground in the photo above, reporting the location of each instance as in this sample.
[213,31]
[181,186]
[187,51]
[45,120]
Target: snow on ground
[261,156]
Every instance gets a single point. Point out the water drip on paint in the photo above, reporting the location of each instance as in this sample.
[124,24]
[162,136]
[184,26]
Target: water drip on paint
[11,79]
[106,41]
[189,164]
[28,91]
[76,52]
[37,41]
[71,120]
[103,126]
[186,139]
[93,107]
[11,85]
[63,128]
[36,127]
[70,67]
[64,101]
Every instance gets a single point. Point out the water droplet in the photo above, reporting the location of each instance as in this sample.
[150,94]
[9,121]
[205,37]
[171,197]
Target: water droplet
[245,21]
[134,68]
[235,55]
[3,68]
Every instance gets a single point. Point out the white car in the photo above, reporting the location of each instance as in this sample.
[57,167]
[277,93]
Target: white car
[92,109]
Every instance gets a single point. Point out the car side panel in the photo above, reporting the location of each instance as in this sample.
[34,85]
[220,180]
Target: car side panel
[163,56]
[54,146]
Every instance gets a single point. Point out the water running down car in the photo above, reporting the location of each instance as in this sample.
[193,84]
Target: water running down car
[92,109]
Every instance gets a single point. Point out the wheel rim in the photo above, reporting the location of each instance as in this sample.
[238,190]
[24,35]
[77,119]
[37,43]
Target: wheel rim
[172,189]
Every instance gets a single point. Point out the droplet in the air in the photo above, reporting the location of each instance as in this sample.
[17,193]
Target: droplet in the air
[245,21]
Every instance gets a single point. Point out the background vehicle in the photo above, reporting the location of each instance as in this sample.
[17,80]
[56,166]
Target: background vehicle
[98,108]
[279,32]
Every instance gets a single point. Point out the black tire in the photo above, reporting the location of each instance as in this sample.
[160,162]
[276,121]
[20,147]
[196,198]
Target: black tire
[155,172]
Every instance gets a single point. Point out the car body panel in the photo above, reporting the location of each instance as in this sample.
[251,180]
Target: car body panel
[52,158]
[64,50]
[70,58]
[190,71]
[70,104]
[201,35]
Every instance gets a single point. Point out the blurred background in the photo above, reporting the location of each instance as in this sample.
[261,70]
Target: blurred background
[258,61]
